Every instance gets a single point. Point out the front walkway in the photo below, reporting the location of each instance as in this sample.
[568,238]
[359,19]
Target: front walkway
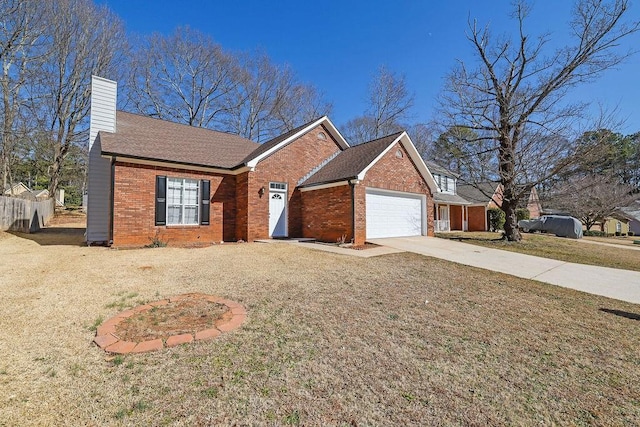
[610,282]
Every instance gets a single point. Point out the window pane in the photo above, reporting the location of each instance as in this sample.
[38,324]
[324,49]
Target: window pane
[174,191]
[191,193]
[191,215]
[174,215]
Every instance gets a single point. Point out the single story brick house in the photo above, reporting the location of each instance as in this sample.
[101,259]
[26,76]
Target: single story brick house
[150,178]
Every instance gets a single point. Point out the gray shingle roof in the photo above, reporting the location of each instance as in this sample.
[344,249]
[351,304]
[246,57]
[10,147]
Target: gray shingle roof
[450,198]
[632,211]
[153,139]
[475,195]
[350,162]
[437,169]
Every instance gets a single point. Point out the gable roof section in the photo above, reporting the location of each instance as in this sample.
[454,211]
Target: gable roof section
[146,138]
[477,195]
[633,211]
[279,142]
[354,162]
[349,163]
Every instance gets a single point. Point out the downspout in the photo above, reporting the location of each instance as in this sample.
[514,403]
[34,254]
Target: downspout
[353,211]
[111,199]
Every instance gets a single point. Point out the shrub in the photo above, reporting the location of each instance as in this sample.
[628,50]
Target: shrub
[522,213]
[156,241]
[496,219]
[631,234]
[594,233]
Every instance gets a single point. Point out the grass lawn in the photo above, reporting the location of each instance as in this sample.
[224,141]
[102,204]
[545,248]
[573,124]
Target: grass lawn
[617,240]
[550,246]
[329,340]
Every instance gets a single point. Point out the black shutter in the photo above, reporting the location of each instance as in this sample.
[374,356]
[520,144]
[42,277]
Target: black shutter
[161,200]
[205,205]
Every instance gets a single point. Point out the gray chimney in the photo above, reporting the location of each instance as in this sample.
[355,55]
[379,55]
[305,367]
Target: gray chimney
[103,119]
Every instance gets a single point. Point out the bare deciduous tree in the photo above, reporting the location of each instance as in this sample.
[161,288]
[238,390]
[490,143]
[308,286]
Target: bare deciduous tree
[514,99]
[82,39]
[389,104]
[185,77]
[20,30]
[592,198]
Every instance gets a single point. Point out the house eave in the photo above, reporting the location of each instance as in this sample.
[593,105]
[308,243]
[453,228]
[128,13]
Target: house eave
[174,164]
[323,120]
[324,185]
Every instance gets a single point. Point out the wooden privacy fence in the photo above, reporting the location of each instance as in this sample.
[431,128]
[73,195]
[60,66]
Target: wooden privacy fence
[24,215]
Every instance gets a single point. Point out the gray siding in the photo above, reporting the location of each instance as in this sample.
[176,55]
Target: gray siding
[103,119]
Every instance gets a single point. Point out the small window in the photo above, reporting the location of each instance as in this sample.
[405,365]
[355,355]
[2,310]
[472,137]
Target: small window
[399,154]
[277,186]
[322,136]
[183,202]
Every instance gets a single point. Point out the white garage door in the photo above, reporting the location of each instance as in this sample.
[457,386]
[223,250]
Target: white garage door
[393,214]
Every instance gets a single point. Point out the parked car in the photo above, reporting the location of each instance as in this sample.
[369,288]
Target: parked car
[561,226]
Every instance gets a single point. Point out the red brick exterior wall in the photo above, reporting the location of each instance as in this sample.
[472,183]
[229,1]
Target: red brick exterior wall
[327,214]
[476,221]
[360,196]
[393,173]
[289,164]
[497,197]
[455,216]
[134,208]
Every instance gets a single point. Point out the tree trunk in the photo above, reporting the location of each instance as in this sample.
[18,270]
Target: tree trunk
[54,175]
[510,206]
[511,230]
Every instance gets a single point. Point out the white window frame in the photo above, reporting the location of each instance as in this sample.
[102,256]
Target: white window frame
[183,205]
[278,186]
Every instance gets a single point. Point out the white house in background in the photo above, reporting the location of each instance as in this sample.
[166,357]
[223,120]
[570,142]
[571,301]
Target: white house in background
[19,190]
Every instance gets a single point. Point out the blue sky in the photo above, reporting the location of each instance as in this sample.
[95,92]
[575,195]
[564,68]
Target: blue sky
[338,45]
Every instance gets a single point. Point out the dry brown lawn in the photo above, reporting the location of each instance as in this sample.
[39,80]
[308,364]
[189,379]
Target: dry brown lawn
[562,249]
[617,240]
[329,340]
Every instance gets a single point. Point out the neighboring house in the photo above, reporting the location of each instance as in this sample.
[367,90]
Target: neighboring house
[451,210]
[615,224]
[463,207]
[481,198]
[41,195]
[150,178]
[19,190]
[633,214]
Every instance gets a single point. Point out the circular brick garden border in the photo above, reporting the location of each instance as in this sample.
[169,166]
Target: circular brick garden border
[107,339]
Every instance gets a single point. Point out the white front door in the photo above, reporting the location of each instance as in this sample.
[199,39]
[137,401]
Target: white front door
[277,211]
[444,218]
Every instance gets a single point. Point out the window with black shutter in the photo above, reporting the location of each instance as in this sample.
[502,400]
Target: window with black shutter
[161,200]
[205,205]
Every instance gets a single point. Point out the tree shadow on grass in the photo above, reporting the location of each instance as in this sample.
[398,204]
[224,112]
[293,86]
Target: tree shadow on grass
[625,314]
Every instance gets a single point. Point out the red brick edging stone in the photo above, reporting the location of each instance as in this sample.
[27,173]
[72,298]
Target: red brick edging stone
[107,339]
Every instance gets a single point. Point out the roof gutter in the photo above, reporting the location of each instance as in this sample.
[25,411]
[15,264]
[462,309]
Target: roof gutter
[175,164]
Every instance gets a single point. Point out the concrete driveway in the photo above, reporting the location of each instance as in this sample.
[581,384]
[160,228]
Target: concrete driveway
[609,282]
